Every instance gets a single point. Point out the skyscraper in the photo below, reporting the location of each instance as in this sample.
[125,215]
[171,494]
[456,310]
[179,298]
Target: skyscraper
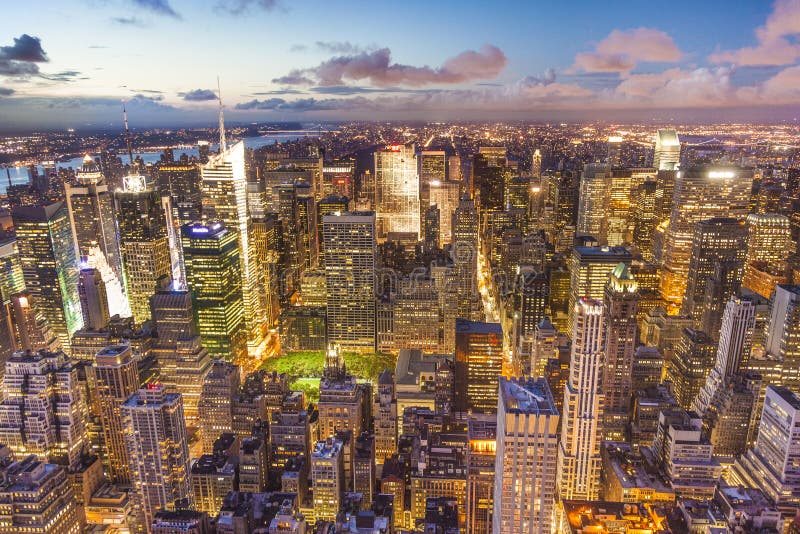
[579,452]
[593,202]
[50,266]
[526,457]
[700,193]
[445,195]
[481,460]
[620,305]
[327,478]
[94,303]
[156,440]
[145,246]
[115,378]
[783,333]
[350,251]
[432,169]
[589,270]
[689,366]
[645,218]
[768,244]
[667,154]
[397,201]
[479,364]
[211,253]
[219,388]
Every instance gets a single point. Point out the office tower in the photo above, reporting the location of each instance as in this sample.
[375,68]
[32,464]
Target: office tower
[614,154]
[479,363]
[40,499]
[49,265]
[667,155]
[91,212]
[783,333]
[225,200]
[115,378]
[716,266]
[445,194]
[385,413]
[331,205]
[341,398]
[530,296]
[701,193]
[536,163]
[490,173]
[338,178]
[589,270]
[579,450]
[729,417]
[397,203]
[432,169]
[431,228]
[364,468]
[94,302]
[593,202]
[265,244]
[645,218]
[481,447]
[416,313]
[350,251]
[253,464]
[768,244]
[735,342]
[216,416]
[182,180]
[689,366]
[211,253]
[42,411]
[145,246]
[11,282]
[770,465]
[327,478]
[620,304]
[155,436]
[545,340]
[212,478]
[289,437]
[526,457]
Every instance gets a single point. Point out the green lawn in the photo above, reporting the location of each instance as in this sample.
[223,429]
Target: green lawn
[310,364]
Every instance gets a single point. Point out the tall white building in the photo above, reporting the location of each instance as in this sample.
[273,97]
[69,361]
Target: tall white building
[225,199]
[526,457]
[579,452]
[397,201]
[667,154]
[783,333]
[735,340]
[155,436]
[350,250]
[327,478]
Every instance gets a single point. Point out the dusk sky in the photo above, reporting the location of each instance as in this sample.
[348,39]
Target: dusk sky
[70,62]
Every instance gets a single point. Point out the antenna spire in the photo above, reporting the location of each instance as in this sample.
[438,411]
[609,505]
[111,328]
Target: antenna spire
[127,132]
[223,145]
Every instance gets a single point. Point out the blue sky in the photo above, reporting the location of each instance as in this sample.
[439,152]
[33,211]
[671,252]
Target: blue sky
[312,60]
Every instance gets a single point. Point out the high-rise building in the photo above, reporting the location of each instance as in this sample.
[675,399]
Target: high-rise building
[614,155]
[667,156]
[783,333]
[444,194]
[385,412]
[545,347]
[225,199]
[735,341]
[42,411]
[182,180]
[431,228]
[327,478]
[690,364]
[397,201]
[481,459]
[341,399]
[211,253]
[490,174]
[219,387]
[155,436]
[716,266]
[526,457]
[432,169]
[768,246]
[50,266]
[589,270]
[645,218]
[581,422]
[620,304]
[700,193]
[331,205]
[593,202]
[94,302]
[145,246]
[115,378]
[350,250]
[479,364]
[11,282]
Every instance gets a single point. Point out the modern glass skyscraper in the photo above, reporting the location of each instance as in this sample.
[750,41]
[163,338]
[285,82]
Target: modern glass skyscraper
[397,202]
[50,266]
[667,154]
[479,363]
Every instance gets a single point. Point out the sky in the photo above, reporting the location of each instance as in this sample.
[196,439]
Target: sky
[70,63]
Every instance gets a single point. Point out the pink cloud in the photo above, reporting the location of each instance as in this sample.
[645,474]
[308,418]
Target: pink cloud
[620,51]
[773,47]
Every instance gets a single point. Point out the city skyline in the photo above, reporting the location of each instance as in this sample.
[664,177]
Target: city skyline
[70,64]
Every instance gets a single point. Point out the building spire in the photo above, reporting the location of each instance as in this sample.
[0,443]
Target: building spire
[223,145]
[127,132]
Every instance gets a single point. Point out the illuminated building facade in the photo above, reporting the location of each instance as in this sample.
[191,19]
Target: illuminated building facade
[94,302]
[50,266]
[667,155]
[783,333]
[701,193]
[327,478]
[593,202]
[589,270]
[768,246]
[690,364]
[432,169]
[478,365]
[445,194]
[397,201]
[219,387]
[480,464]
[526,457]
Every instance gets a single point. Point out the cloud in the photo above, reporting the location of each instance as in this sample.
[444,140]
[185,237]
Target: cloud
[65,76]
[6,91]
[548,77]
[239,7]
[774,46]
[621,51]
[339,47]
[129,21]
[159,7]
[25,48]
[198,95]
[298,48]
[281,92]
[308,104]
[376,68]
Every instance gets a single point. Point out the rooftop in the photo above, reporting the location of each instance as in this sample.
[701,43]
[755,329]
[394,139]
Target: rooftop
[528,396]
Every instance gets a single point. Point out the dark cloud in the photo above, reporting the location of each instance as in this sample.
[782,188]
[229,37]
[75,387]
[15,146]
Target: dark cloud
[548,77]
[198,95]
[25,48]
[376,68]
[239,7]
[280,92]
[159,7]
[129,21]
[65,76]
[339,47]
[18,69]
[151,91]
[298,48]
[344,90]
[6,91]
[307,104]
